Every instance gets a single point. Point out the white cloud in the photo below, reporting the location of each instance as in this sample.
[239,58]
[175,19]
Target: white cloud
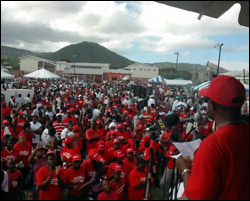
[186,53]
[154,27]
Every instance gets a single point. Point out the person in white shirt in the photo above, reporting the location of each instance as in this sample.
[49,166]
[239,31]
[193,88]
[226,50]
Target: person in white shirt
[36,127]
[27,99]
[67,131]
[151,101]
[175,103]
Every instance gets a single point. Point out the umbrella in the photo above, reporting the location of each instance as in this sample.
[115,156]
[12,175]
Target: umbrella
[6,75]
[178,82]
[43,74]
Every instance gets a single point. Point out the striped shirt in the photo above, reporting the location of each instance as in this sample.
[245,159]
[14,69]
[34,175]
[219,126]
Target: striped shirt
[59,128]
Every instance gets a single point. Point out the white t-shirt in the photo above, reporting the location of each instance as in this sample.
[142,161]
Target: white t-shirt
[151,101]
[35,127]
[96,113]
[66,133]
[45,136]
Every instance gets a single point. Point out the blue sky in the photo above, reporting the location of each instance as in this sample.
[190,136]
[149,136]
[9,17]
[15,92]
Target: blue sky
[146,32]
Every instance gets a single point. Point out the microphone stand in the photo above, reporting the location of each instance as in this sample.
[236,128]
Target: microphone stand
[148,175]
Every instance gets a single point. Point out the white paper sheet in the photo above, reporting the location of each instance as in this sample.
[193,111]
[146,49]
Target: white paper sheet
[176,156]
[187,149]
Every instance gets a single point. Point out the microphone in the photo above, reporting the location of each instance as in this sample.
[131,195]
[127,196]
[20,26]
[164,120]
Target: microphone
[190,119]
[153,127]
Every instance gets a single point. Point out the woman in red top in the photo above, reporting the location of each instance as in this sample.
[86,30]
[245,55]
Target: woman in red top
[24,151]
[47,181]
[92,137]
[107,193]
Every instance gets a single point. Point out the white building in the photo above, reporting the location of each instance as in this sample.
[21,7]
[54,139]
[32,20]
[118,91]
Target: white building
[30,64]
[142,71]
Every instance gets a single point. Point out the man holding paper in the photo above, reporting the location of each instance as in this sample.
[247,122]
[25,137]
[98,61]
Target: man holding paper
[220,169]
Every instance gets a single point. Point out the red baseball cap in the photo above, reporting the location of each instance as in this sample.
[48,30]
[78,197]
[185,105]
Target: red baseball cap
[116,141]
[68,111]
[68,140]
[145,139]
[99,122]
[117,167]
[118,154]
[119,125]
[129,150]
[3,103]
[50,152]
[76,128]
[101,145]
[20,112]
[76,157]
[93,155]
[131,142]
[5,122]
[112,132]
[125,123]
[224,89]
[21,135]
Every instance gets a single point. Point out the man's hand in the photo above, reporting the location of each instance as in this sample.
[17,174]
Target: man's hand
[183,164]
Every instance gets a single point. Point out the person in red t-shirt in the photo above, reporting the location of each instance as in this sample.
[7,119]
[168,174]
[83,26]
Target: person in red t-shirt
[108,193]
[74,178]
[5,110]
[105,156]
[101,130]
[24,151]
[70,118]
[92,137]
[47,181]
[9,153]
[118,185]
[19,122]
[28,133]
[68,151]
[119,157]
[220,169]
[6,130]
[15,178]
[140,127]
[130,161]
[137,181]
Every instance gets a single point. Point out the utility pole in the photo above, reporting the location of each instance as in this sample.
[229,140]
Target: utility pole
[177,53]
[218,68]
[74,56]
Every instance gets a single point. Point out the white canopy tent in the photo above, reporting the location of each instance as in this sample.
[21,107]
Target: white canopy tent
[6,75]
[202,86]
[42,74]
[178,82]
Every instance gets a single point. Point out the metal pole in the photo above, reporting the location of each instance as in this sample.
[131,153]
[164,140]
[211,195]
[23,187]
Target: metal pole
[244,76]
[219,60]
[177,59]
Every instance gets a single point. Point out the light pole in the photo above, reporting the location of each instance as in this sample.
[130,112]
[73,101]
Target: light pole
[177,53]
[74,56]
[218,45]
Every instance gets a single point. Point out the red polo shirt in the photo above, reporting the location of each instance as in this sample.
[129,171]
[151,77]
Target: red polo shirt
[24,151]
[221,166]
[91,134]
[118,188]
[105,196]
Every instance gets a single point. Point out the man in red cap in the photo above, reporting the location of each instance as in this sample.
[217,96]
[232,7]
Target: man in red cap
[225,153]
[101,129]
[116,146]
[70,118]
[105,156]
[111,135]
[74,178]
[68,151]
[119,156]
[47,181]
[130,161]
[5,110]
[118,185]
[19,122]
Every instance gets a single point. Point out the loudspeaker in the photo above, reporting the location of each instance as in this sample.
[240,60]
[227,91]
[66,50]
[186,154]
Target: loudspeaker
[149,91]
[142,92]
[137,90]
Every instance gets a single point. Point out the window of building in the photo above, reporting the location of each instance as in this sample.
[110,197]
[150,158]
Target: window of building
[40,64]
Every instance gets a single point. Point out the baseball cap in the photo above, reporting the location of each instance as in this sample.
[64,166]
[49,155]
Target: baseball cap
[68,140]
[117,167]
[3,103]
[99,122]
[39,105]
[116,141]
[145,139]
[50,152]
[68,111]
[118,154]
[119,125]
[5,122]
[20,112]
[141,116]
[224,89]
[101,145]
[21,135]
[76,157]
[125,123]
[131,142]
[93,155]
[129,150]
[58,114]
[76,128]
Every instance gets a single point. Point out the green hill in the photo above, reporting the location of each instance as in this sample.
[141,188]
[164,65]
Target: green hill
[92,53]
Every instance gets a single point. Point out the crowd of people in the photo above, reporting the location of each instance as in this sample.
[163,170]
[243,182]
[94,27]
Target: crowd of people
[80,140]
